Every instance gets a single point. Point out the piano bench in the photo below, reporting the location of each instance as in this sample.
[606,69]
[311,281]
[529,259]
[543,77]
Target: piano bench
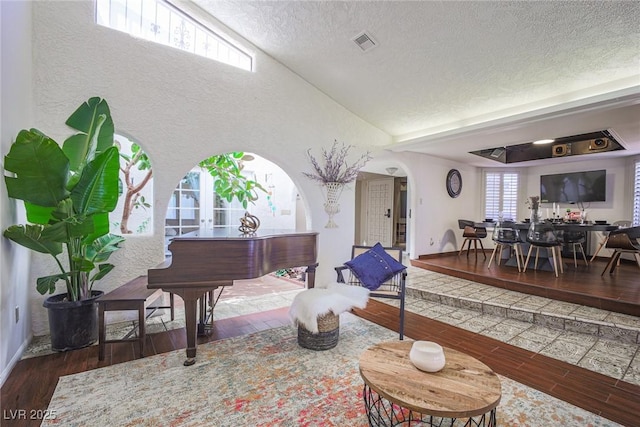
[133,295]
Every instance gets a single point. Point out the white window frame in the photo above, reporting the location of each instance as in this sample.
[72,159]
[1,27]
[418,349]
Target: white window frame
[507,199]
[162,22]
[636,193]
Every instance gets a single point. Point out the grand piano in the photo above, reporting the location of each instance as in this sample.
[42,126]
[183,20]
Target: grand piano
[203,261]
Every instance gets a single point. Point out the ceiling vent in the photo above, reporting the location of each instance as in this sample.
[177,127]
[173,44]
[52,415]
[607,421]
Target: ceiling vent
[365,41]
[497,152]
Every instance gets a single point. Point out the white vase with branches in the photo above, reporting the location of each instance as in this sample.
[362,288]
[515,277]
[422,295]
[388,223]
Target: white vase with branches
[333,174]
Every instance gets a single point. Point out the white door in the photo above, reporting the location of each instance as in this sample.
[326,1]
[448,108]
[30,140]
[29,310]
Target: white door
[380,212]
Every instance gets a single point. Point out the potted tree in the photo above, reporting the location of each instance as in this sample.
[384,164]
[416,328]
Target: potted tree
[68,192]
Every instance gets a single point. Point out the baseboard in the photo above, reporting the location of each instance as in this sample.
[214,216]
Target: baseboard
[14,360]
[449,253]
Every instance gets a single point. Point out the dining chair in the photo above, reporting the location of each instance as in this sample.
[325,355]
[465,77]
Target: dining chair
[575,239]
[605,237]
[623,240]
[544,235]
[506,235]
[472,234]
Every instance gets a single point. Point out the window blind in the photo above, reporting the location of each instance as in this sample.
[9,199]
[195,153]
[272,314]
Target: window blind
[636,195]
[501,195]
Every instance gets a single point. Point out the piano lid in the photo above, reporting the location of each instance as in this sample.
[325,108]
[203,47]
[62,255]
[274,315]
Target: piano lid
[232,232]
[226,256]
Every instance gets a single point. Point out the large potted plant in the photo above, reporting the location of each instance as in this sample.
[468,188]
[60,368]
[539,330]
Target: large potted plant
[68,192]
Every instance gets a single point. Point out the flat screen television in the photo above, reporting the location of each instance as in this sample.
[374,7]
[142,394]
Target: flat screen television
[574,187]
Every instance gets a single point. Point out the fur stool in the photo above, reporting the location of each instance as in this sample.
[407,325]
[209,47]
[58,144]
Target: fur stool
[315,312]
[327,336]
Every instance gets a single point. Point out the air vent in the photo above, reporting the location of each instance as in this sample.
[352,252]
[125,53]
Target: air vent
[365,41]
[496,153]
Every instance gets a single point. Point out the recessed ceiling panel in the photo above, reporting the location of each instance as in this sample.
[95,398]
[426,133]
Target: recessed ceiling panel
[576,145]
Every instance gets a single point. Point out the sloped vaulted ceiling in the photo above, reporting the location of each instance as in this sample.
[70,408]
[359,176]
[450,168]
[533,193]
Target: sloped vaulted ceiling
[442,69]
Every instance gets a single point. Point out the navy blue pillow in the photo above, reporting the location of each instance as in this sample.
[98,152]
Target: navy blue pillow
[374,267]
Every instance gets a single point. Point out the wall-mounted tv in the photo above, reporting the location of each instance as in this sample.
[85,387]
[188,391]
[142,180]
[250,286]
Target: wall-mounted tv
[574,187]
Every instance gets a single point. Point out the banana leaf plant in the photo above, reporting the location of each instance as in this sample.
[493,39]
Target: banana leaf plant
[68,193]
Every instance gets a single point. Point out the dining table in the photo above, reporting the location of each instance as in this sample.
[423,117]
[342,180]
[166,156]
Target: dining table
[545,263]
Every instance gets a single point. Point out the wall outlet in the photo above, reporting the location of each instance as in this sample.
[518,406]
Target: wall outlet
[17,314]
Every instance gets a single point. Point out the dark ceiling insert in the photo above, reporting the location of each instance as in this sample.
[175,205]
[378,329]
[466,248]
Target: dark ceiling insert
[576,145]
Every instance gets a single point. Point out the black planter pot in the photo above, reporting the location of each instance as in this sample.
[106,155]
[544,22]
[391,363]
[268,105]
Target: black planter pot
[73,324]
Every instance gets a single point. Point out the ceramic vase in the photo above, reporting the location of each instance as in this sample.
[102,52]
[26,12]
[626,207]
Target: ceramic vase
[427,356]
[333,190]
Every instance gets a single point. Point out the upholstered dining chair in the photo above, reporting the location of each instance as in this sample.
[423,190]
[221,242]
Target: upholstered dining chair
[543,235]
[380,270]
[575,240]
[621,224]
[472,234]
[623,240]
[506,236]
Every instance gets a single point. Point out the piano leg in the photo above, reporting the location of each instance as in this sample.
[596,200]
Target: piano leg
[190,298]
[202,318]
[190,314]
[311,275]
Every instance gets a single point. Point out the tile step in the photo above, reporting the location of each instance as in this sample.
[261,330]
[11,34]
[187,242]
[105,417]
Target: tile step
[625,329]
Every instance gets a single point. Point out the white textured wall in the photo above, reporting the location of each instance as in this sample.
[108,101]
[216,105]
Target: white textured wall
[15,113]
[433,225]
[182,108]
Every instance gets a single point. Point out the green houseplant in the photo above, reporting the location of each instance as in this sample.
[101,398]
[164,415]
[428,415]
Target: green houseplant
[229,182]
[68,192]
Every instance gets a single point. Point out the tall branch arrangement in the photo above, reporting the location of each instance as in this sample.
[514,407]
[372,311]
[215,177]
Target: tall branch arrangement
[533,202]
[334,166]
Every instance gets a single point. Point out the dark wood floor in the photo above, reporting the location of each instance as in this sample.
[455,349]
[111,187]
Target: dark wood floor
[618,292]
[32,381]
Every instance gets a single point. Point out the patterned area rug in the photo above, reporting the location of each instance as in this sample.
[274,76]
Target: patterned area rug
[262,379]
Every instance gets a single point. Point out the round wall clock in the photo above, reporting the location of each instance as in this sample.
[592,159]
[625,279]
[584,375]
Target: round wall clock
[454,183]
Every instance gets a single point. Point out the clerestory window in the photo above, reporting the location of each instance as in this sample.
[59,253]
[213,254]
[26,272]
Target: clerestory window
[161,22]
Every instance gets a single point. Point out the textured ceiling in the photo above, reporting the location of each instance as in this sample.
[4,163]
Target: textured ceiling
[443,71]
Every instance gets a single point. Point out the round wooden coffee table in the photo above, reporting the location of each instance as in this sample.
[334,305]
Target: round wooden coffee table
[397,393]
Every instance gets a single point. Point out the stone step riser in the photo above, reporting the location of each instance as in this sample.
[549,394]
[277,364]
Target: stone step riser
[621,333]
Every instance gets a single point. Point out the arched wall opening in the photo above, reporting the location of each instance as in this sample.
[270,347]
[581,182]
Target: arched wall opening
[134,213]
[197,204]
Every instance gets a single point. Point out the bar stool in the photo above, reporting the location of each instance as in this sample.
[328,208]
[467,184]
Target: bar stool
[543,235]
[625,240]
[603,241]
[471,234]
